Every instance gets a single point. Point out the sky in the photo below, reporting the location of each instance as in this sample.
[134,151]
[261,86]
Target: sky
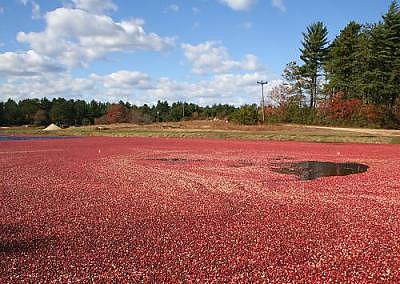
[198,51]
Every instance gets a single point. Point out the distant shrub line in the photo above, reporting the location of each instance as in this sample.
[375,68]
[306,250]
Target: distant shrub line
[339,110]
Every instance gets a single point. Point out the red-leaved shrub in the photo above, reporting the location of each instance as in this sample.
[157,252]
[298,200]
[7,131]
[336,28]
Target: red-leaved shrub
[341,109]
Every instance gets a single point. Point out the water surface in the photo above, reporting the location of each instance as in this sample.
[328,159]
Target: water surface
[310,170]
[27,138]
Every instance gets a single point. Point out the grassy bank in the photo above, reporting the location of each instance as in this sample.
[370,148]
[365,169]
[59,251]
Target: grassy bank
[222,130]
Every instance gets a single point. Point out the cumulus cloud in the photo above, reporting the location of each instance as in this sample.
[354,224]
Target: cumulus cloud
[212,57]
[234,89]
[137,87]
[123,80]
[95,6]
[27,64]
[75,37]
[239,5]
[47,85]
[279,4]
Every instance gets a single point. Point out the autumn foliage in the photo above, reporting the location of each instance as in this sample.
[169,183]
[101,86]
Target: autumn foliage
[339,109]
[119,113]
[352,111]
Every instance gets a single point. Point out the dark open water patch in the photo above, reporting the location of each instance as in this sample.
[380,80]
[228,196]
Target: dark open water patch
[174,160]
[310,170]
[27,138]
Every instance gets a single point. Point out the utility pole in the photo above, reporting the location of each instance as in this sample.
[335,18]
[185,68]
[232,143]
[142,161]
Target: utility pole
[262,83]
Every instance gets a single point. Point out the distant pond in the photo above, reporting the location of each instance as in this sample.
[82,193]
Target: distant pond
[27,138]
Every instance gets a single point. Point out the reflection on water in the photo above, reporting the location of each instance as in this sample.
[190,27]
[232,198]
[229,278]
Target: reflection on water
[27,138]
[310,170]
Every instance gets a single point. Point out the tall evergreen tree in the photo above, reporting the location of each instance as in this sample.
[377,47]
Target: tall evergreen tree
[341,66]
[2,119]
[11,113]
[378,60]
[364,85]
[96,109]
[62,111]
[81,111]
[28,109]
[313,53]
[162,110]
[45,104]
[389,55]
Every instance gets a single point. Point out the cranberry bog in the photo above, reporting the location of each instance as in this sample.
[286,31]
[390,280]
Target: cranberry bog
[103,209]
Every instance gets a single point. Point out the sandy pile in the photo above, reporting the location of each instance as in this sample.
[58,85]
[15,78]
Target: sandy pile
[52,127]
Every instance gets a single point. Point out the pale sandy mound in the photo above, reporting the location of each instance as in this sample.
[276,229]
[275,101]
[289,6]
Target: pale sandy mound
[52,127]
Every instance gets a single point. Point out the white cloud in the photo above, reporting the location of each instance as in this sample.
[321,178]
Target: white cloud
[96,6]
[239,5]
[234,89]
[137,88]
[251,63]
[279,4]
[1,10]
[212,57]
[74,37]
[27,64]
[49,85]
[123,80]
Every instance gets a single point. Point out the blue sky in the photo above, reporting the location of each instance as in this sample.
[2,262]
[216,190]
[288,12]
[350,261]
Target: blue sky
[201,51]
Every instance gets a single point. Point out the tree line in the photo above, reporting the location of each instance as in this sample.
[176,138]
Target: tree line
[44,111]
[355,79]
[79,112]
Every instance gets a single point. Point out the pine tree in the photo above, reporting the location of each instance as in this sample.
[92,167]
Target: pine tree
[11,112]
[378,60]
[342,61]
[364,64]
[389,55]
[313,54]
[2,119]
